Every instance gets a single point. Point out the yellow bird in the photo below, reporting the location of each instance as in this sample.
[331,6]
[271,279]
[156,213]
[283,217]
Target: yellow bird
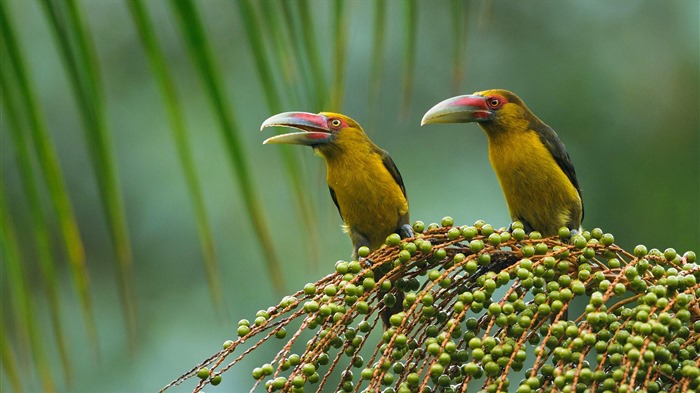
[531,163]
[363,180]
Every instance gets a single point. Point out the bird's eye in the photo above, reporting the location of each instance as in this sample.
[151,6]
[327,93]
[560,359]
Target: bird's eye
[494,102]
[335,123]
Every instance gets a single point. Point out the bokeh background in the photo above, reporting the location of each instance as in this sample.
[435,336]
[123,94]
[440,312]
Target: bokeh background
[619,82]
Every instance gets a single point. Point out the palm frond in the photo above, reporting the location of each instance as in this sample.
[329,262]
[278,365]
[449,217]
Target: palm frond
[50,172]
[340,25]
[166,85]
[21,297]
[459,39]
[197,44]
[39,222]
[377,51]
[77,50]
[266,72]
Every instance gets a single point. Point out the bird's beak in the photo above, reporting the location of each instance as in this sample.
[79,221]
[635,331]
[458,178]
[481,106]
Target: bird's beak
[314,128]
[460,109]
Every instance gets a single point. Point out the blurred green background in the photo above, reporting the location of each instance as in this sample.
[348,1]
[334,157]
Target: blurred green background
[619,81]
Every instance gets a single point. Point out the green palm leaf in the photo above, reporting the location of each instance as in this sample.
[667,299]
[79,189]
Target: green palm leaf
[81,64]
[266,73]
[174,110]
[197,44]
[50,171]
[38,216]
[21,298]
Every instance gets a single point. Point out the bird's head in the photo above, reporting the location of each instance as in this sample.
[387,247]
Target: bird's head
[327,132]
[495,110]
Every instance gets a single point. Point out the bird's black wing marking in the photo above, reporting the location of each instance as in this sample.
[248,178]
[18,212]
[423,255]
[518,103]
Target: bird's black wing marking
[396,175]
[335,200]
[393,170]
[555,146]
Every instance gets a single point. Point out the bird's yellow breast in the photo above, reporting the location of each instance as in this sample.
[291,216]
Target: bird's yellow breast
[370,201]
[535,187]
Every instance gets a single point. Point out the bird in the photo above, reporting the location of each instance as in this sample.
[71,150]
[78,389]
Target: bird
[531,162]
[364,182]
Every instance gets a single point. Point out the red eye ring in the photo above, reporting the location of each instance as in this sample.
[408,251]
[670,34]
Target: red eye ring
[335,123]
[493,102]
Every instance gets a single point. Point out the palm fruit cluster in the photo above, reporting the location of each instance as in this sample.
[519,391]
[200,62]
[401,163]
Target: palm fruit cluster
[566,314]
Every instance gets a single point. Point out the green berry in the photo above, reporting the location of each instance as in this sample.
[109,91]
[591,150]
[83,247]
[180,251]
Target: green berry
[579,242]
[476,245]
[355,267]
[436,369]
[203,373]
[486,230]
[363,251]
[309,289]
[341,267]
[670,254]
[243,330]
[393,240]
[279,382]
[308,369]
[607,239]
[518,234]
[396,319]
[564,233]
[454,233]
[469,232]
[447,221]
[440,254]
[330,290]
[418,226]
[311,306]
[640,251]
[689,256]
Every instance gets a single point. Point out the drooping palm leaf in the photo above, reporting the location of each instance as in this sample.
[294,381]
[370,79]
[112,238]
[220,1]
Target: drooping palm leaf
[50,172]
[340,26]
[291,46]
[459,38]
[377,51]
[320,98]
[409,55]
[282,54]
[77,53]
[9,359]
[290,158]
[21,297]
[174,110]
[198,47]
[39,225]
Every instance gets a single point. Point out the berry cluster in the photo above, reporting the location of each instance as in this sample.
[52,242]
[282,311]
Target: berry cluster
[576,311]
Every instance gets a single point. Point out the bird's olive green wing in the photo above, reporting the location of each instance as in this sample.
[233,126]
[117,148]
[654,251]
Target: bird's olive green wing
[555,146]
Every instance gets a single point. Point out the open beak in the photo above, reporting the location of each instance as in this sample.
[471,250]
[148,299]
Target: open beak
[460,109]
[314,128]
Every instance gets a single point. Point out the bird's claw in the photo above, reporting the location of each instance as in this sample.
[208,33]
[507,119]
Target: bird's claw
[406,231]
[365,261]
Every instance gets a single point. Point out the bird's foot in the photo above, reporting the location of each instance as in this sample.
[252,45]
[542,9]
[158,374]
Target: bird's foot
[366,262]
[406,231]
